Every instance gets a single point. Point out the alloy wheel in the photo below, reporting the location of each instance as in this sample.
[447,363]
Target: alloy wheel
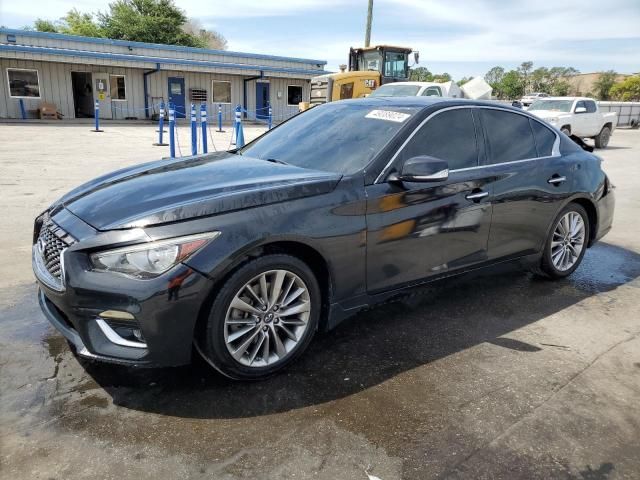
[568,241]
[267,318]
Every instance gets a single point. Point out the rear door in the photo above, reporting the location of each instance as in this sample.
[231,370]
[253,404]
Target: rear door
[417,229]
[594,118]
[531,180]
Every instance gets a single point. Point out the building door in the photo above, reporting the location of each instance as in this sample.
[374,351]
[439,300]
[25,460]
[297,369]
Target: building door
[102,94]
[262,100]
[177,95]
[83,103]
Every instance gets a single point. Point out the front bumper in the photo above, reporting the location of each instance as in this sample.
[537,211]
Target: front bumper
[164,309]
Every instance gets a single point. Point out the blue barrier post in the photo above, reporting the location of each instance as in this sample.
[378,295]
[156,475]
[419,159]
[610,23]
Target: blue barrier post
[161,127]
[270,117]
[194,131]
[96,114]
[239,131]
[220,118]
[172,133]
[203,123]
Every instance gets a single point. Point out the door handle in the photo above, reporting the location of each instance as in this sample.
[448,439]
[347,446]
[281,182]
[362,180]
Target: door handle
[557,180]
[476,196]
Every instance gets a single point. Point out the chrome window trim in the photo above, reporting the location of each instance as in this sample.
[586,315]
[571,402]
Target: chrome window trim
[555,150]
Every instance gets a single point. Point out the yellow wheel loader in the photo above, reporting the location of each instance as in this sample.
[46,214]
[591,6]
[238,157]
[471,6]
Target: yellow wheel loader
[369,68]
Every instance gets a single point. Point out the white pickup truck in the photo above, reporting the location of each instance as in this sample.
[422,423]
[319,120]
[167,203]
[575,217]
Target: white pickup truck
[577,116]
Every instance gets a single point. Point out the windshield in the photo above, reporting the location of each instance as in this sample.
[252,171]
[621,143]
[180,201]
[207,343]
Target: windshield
[335,137]
[553,105]
[395,90]
[369,61]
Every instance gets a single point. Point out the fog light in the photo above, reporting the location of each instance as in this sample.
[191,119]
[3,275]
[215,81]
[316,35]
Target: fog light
[138,334]
[122,333]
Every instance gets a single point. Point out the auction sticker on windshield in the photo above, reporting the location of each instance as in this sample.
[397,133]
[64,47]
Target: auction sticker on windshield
[388,115]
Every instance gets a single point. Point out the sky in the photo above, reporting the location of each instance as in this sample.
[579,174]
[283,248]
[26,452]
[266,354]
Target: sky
[461,37]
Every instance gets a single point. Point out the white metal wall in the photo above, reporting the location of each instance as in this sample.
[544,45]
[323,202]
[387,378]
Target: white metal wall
[56,87]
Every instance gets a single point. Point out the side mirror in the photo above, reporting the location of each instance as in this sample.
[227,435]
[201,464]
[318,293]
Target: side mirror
[581,110]
[424,169]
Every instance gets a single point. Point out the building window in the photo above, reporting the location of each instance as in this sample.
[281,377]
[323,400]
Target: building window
[221,91]
[118,91]
[294,95]
[23,83]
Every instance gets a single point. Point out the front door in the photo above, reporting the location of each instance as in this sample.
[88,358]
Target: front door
[177,96]
[102,94]
[262,100]
[421,229]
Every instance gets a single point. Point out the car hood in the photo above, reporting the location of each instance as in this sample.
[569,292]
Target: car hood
[176,190]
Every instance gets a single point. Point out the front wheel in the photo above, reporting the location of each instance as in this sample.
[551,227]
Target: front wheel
[567,242]
[602,139]
[263,318]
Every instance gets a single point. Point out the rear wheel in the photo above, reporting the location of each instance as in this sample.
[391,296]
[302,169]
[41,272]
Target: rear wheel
[263,318]
[602,139]
[567,242]
[566,130]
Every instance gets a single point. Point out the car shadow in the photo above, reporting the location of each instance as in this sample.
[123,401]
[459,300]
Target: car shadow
[374,346]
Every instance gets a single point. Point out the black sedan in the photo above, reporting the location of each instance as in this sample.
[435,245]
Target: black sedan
[244,255]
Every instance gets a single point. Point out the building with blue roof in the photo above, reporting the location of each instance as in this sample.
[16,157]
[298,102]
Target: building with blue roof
[131,79]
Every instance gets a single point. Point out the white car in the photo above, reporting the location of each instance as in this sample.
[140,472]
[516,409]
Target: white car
[532,97]
[410,89]
[577,116]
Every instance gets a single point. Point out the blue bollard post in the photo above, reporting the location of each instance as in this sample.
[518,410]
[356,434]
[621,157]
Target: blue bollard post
[236,120]
[239,131]
[203,124]
[161,127]
[194,131]
[96,114]
[220,118]
[23,112]
[172,133]
[270,117]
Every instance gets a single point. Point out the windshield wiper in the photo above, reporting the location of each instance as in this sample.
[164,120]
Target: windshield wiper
[275,160]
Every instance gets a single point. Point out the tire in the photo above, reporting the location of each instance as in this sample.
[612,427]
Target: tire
[263,356]
[548,266]
[602,139]
[566,130]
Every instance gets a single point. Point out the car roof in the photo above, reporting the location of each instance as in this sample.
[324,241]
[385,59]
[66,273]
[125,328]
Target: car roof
[424,102]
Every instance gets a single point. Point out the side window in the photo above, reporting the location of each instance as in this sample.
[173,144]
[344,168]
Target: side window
[449,136]
[580,104]
[509,136]
[591,106]
[544,138]
[432,92]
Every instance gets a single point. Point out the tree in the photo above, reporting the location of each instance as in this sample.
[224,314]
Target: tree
[560,88]
[207,38]
[152,21]
[76,23]
[45,26]
[442,77]
[512,85]
[420,74]
[603,84]
[627,90]
[463,80]
[494,76]
[524,69]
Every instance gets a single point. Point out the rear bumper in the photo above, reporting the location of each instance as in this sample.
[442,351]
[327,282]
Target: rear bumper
[606,207]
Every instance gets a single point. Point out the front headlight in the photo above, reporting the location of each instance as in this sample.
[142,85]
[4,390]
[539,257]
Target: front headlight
[150,259]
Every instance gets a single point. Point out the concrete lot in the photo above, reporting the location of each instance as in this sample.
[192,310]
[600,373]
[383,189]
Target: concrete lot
[499,375]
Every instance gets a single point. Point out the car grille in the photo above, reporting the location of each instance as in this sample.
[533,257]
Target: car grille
[51,242]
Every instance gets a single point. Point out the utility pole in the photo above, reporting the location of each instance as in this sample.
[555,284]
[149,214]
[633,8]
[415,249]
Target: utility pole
[367,36]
